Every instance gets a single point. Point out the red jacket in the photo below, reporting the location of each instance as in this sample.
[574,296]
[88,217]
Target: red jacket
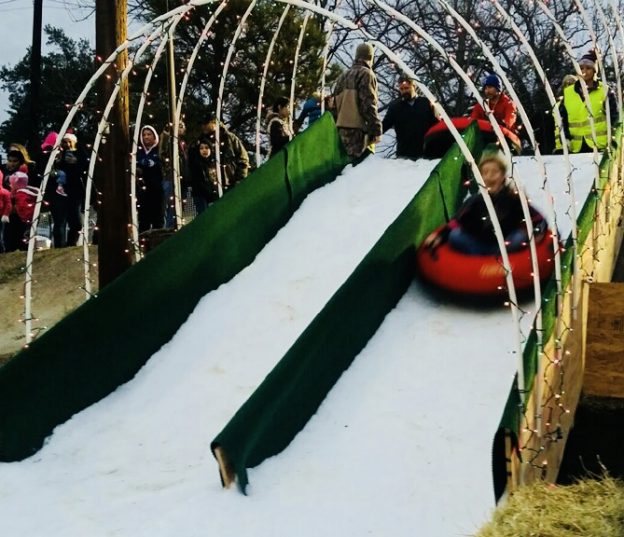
[5,201]
[504,112]
[24,200]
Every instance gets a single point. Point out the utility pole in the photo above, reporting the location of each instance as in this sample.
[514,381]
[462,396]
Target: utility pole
[112,173]
[35,78]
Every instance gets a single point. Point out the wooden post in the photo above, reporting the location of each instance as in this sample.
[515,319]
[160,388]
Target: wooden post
[112,177]
[35,79]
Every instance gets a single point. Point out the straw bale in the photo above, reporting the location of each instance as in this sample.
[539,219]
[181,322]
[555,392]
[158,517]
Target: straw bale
[590,507]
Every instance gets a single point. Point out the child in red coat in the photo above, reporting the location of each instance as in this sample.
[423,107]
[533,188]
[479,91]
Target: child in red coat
[24,198]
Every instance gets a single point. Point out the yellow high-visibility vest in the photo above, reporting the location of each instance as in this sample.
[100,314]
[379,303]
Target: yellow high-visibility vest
[578,118]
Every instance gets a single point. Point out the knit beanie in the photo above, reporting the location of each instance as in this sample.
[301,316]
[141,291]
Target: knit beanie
[364,51]
[589,60]
[494,81]
[18,180]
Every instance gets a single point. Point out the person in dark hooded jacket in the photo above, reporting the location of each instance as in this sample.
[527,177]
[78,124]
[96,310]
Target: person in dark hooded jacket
[149,189]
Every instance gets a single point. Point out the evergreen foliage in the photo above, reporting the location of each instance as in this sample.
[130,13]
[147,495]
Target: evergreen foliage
[64,73]
[241,90]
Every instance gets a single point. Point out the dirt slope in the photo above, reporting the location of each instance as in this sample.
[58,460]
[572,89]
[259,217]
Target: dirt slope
[58,278]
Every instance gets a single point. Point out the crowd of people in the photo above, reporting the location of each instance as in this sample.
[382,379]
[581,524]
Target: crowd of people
[354,103]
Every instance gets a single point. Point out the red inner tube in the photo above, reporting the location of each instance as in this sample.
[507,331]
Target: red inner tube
[438,138]
[483,274]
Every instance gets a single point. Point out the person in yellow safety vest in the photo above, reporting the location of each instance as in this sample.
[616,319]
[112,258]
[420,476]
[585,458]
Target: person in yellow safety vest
[574,113]
[567,80]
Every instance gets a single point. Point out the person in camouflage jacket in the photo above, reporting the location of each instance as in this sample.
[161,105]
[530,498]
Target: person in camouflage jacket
[355,95]
[234,158]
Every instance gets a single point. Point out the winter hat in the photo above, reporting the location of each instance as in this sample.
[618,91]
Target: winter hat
[494,81]
[18,180]
[71,137]
[50,141]
[492,153]
[364,51]
[588,60]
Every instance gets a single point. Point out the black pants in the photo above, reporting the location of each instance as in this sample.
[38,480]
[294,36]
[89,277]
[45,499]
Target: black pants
[66,220]
[151,209]
[15,234]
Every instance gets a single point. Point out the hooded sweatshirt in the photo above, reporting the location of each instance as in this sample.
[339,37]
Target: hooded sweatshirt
[149,167]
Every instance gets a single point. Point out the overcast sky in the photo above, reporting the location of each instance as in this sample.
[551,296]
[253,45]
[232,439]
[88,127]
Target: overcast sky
[16,20]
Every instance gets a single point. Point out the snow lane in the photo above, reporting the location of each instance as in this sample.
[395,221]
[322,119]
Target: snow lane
[404,439]
[401,446]
[144,450]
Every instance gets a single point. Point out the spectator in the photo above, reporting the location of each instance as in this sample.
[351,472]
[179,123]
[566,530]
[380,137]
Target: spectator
[5,211]
[31,166]
[66,192]
[24,198]
[150,201]
[311,110]
[203,175]
[502,107]
[15,160]
[355,94]
[568,80]
[277,125]
[411,117]
[574,115]
[233,158]
[165,151]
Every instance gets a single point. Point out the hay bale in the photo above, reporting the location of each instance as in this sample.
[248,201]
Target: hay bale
[591,507]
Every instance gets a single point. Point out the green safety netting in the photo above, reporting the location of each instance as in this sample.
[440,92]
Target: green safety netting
[512,415]
[294,389]
[109,338]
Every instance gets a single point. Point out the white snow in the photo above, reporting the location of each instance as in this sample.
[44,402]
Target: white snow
[401,446]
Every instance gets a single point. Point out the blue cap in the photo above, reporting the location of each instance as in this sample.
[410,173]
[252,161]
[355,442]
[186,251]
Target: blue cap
[494,81]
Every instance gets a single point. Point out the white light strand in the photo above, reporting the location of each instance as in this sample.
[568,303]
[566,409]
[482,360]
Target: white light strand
[267,63]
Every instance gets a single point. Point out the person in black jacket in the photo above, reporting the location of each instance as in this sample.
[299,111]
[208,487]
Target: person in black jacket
[66,192]
[202,175]
[411,117]
[149,189]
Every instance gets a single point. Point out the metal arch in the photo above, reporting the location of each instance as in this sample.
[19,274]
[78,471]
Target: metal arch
[102,126]
[138,127]
[464,149]
[48,168]
[267,62]
[304,24]
[226,66]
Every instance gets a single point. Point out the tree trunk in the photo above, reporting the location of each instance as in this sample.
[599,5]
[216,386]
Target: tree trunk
[112,174]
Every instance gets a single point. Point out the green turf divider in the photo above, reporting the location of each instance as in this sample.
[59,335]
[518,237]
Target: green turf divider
[292,392]
[511,420]
[103,343]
